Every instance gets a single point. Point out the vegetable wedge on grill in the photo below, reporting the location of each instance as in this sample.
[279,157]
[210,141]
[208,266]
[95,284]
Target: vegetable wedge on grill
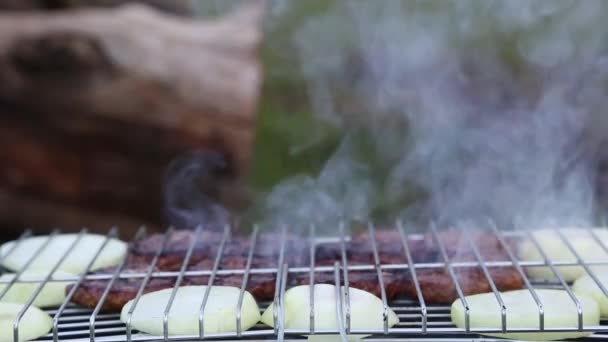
[52,294]
[219,316]
[34,323]
[553,245]
[522,312]
[366,310]
[45,252]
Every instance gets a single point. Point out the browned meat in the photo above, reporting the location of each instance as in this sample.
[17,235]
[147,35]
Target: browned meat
[438,288]
[436,284]
[206,247]
[144,250]
[89,292]
[359,253]
[363,280]
[260,285]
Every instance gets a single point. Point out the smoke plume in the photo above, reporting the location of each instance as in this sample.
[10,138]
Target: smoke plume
[471,109]
[485,105]
[192,191]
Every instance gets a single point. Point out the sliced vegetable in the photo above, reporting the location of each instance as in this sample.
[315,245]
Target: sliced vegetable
[522,312]
[75,262]
[587,286]
[556,250]
[220,311]
[34,323]
[365,309]
[52,294]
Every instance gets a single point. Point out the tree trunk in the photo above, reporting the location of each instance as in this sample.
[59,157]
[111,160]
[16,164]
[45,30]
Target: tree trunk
[95,103]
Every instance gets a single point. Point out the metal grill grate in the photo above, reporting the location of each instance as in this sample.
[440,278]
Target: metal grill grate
[417,320]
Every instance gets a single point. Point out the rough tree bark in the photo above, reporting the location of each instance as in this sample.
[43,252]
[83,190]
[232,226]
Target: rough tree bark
[180,7]
[95,103]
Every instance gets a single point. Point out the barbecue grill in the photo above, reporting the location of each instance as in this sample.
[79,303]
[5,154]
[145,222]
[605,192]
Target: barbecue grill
[418,320]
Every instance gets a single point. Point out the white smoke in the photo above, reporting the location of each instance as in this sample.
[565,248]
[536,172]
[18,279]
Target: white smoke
[342,190]
[497,97]
[191,191]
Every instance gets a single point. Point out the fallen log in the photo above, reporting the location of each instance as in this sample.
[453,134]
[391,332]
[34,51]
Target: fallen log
[95,103]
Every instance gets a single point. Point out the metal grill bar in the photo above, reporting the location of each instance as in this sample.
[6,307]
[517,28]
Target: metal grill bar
[29,262]
[507,249]
[416,316]
[43,283]
[410,263]
[145,282]
[275,311]
[372,239]
[597,240]
[284,275]
[239,306]
[106,291]
[339,304]
[65,303]
[486,272]
[320,269]
[216,265]
[275,303]
[345,274]
[540,249]
[178,282]
[449,268]
[582,262]
[92,324]
[311,278]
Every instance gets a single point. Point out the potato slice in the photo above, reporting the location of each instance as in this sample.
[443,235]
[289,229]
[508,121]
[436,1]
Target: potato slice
[75,262]
[522,312]
[220,311]
[52,294]
[34,323]
[365,309]
[582,241]
[587,286]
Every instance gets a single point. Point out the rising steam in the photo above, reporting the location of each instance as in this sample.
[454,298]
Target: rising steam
[491,108]
[191,191]
[497,97]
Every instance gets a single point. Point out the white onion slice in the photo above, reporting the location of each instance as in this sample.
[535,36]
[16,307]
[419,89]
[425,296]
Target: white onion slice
[522,312]
[220,311]
[75,262]
[365,309]
[586,285]
[52,294]
[582,241]
[34,323]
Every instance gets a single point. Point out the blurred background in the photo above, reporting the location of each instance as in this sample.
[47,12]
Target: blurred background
[320,110]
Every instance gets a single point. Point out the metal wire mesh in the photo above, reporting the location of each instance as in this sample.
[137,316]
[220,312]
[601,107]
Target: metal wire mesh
[417,319]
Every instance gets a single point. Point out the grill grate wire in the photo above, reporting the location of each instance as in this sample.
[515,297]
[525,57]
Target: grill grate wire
[418,320]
